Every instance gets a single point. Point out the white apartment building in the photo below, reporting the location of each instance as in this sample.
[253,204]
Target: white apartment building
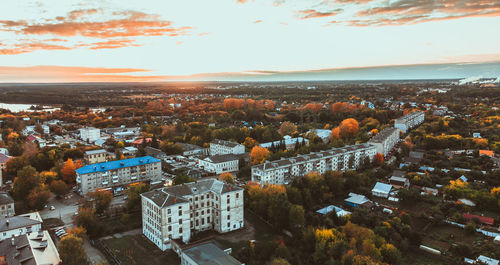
[180,211]
[385,140]
[221,147]
[95,156]
[409,121]
[20,225]
[283,171]
[219,163]
[90,134]
[6,205]
[117,175]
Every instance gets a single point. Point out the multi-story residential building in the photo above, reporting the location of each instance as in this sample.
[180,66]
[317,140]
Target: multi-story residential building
[409,121]
[179,211]
[90,134]
[20,225]
[221,147]
[6,205]
[385,140]
[117,175]
[219,163]
[95,156]
[284,170]
[35,248]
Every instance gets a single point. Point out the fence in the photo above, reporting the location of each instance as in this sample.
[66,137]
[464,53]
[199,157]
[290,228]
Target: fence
[110,256]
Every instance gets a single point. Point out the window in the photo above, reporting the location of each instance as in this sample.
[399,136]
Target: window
[169,228]
[170,219]
[180,221]
[202,221]
[196,213]
[202,197]
[169,211]
[197,222]
[228,217]
[208,211]
[229,208]
[180,212]
[237,195]
[228,224]
[180,230]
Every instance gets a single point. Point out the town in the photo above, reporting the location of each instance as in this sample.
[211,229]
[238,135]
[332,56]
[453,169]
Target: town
[251,173]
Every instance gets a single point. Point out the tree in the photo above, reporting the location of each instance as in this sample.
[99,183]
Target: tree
[27,179]
[38,197]
[71,251]
[68,171]
[101,200]
[296,217]
[278,261]
[59,188]
[379,159]
[86,218]
[249,142]
[181,179]
[14,164]
[349,127]
[390,254]
[134,195]
[287,128]
[258,154]
[335,134]
[227,177]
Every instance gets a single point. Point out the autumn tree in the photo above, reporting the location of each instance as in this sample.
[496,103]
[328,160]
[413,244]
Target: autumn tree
[287,128]
[71,251]
[227,177]
[278,261]
[258,154]
[315,107]
[335,134]
[68,171]
[378,158]
[249,142]
[349,127]
[59,188]
[38,197]
[296,217]
[87,219]
[101,199]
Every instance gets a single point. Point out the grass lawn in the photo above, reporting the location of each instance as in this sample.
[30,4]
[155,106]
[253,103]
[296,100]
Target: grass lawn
[138,250]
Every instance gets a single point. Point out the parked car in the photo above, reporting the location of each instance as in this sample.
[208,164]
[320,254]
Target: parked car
[52,207]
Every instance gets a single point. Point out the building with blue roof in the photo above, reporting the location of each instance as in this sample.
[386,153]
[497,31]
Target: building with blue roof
[116,176]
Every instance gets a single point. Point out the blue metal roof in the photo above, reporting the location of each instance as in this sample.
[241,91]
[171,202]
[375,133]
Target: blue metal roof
[105,166]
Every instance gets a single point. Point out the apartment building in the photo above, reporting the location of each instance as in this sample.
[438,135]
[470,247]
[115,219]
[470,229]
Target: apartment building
[221,147]
[20,225]
[177,212]
[117,175]
[35,248]
[288,143]
[95,156]
[90,134]
[385,140]
[283,171]
[409,121]
[219,163]
[6,205]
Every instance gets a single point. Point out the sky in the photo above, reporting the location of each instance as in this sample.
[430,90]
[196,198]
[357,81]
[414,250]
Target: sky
[257,40]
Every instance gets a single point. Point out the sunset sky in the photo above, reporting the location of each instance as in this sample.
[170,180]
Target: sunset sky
[157,40]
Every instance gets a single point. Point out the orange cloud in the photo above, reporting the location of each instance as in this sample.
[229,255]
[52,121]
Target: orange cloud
[312,13]
[74,74]
[120,26]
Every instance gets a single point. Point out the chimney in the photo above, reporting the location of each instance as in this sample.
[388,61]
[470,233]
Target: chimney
[13,241]
[7,222]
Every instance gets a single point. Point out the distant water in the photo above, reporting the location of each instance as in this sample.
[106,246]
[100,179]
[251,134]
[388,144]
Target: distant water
[25,107]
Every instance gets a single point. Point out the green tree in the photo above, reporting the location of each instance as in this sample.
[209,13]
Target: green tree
[27,179]
[181,179]
[71,251]
[38,197]
[296,217]
[134,196]
[87,219]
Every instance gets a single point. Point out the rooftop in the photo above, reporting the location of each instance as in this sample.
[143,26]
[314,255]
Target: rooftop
[5,198]
[224,142]
[16,222]
[382,136]
[93,152]
[105,166]
[210,254]
[221,158]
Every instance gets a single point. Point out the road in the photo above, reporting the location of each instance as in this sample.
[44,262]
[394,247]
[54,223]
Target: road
[65,210]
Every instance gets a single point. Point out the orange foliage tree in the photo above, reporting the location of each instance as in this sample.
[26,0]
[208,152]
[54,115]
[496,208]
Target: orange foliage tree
[379,158]
[68,171]
[227,177]
[316,107]
[249,142]
[335,134]
[287,128]
[258,154]
[349,127]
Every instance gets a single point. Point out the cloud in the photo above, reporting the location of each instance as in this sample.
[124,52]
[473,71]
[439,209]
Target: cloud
[411,12]
[74,74]
[312,13]
[121,26]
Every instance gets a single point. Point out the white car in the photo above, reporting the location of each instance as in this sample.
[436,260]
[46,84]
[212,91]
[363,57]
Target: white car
[52,207]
